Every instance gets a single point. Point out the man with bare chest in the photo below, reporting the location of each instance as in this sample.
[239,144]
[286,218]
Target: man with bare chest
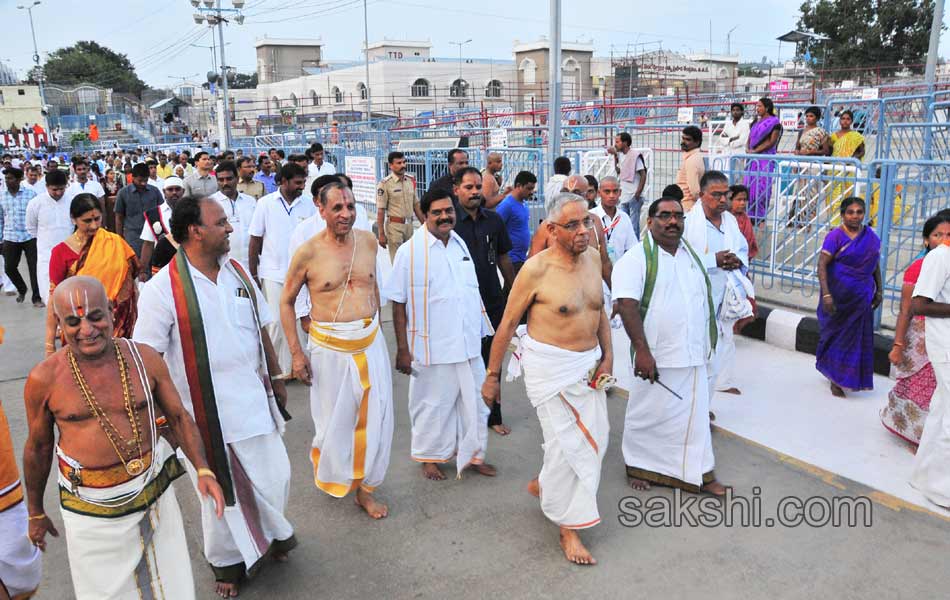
[575,184]
[567,359]
[108,399]
[348,367]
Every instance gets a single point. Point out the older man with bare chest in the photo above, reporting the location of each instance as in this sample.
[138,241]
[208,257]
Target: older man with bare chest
[567,359]
[106,396]
[348,367]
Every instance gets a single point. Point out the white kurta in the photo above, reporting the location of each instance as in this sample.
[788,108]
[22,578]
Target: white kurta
[932,463]
[351,404]
[250,424]
[21,563]
[274,221]
[575,428]
[48,221]
[240,212]
[665,439]
[446,323]
[706,239]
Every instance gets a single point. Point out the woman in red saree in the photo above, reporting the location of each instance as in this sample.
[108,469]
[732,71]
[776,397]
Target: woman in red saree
[95,252]
[909,401]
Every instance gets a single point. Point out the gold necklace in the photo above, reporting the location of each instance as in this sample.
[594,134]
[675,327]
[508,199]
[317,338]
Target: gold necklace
[133,466]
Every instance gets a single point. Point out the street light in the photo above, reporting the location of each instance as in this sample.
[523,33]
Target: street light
[36,54]
[214,15]
[461,89]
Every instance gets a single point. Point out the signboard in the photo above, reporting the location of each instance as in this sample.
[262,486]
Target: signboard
[362,170]
[778,86]
[684,114]
[670,91]
[789,118]
[869,94]
[498,138]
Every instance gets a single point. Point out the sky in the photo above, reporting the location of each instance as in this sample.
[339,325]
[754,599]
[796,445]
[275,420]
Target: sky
[157,36]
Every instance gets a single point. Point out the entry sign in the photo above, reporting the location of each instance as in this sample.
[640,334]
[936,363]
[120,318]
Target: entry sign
[499,138]
[684,114]
[789,118]
[869,94]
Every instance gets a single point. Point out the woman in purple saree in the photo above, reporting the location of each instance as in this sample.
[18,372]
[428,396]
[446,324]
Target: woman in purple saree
[850,277]
[763,139]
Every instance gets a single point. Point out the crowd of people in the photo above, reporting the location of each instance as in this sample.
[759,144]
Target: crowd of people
[184,295]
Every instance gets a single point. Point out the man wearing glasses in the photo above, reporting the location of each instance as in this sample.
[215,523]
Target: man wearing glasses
[575,184]
[665,301]
[567,359]
[715,235]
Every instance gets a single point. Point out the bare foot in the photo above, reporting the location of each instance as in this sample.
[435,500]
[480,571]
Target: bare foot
[485,469]
[574,550]
[639,484]
[715,488]
[432,471]
[501,429]
[712,416]
[281,557]
[534,488]
[375,509]
[226,590]
[837,391]
[732,390]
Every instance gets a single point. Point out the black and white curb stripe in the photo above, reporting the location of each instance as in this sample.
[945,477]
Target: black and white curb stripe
[794,331]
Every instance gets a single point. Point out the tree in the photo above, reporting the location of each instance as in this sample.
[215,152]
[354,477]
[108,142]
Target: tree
[88,62]
[868,33]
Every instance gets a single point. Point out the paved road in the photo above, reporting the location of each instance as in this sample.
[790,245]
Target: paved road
[486,538]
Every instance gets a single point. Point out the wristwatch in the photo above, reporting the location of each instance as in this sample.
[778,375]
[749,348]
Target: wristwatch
[490,373]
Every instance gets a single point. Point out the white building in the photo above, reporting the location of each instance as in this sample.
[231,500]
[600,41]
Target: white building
[404,79]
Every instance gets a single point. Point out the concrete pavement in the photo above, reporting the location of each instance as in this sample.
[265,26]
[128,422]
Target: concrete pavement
[480,537]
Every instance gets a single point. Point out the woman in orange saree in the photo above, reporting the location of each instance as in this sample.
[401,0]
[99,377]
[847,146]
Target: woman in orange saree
[95,252]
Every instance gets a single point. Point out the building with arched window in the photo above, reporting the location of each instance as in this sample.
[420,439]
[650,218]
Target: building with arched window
[420,88]
[493,89]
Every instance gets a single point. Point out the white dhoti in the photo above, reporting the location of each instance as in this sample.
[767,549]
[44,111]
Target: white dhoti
[255,525]
[575,427]
[447,413]
[6,285]
[726,359]
[21,563]
[272,291]
[932,463]
[667,440]
[127,552]
[352,406]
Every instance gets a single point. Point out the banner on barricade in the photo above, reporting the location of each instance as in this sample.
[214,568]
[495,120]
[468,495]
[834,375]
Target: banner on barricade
[684,114]
[789,118]
[362,170]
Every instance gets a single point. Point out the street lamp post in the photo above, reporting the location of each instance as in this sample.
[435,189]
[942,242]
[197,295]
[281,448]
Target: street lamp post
[36,54]
[216,16]
[461,89]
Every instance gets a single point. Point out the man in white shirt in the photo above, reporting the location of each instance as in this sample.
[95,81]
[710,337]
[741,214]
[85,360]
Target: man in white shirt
[318,166]
[562,170]
[206,316]
[239,208]
[632,173]
[665,302]
[618,229]
[275,217]
[153,178]
[735,133]
[715,236]
[932,300]
[83,184]
[439,323]
[34,179]
[47,219]
[157,233]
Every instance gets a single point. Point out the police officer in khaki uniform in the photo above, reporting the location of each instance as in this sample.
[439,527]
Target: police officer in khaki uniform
[396,195]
